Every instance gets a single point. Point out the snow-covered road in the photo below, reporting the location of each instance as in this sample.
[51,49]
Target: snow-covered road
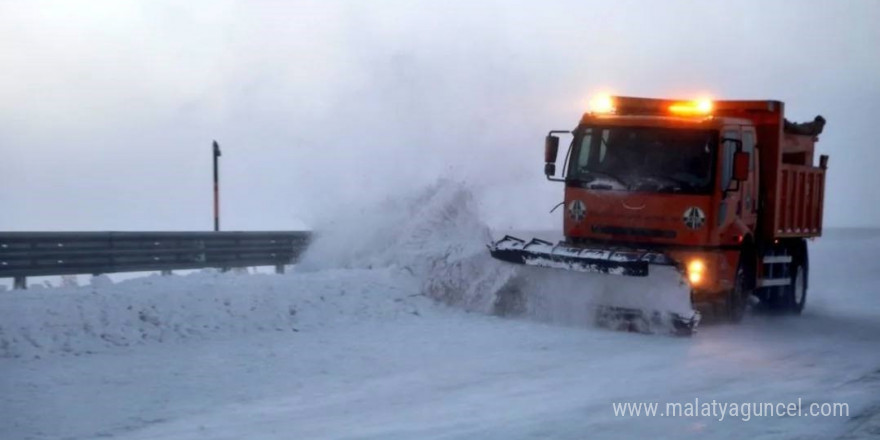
[357,353]
[442,373]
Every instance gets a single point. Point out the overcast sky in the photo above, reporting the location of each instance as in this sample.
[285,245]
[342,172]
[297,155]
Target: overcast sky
[108,108]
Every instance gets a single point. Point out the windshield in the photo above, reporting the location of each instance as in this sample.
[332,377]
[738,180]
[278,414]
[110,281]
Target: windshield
[643,159]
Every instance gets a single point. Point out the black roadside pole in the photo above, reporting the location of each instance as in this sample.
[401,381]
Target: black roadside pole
[217,194]
[216,188]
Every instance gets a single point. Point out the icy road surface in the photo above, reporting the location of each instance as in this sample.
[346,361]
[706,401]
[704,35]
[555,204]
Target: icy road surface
[356,353]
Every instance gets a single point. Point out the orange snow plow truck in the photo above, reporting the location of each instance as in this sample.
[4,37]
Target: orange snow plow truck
[721,194]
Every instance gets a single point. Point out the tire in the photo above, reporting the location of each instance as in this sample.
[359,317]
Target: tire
[738,297]
[795,295]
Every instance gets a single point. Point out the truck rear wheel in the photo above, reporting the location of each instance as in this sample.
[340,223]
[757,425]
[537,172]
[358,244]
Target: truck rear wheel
[790,298]
[795,295]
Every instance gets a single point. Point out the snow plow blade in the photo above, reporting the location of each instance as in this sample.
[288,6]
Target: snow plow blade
[644,291]
[542,253]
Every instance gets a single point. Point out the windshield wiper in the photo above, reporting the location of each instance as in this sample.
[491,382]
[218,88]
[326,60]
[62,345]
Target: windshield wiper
[673,183]
[680,182]
[595,174]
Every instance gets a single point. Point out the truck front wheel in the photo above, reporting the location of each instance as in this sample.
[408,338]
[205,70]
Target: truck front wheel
[738,297]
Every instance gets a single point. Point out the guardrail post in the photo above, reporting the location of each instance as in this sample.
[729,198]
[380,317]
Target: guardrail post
[279,268]
[19,283]
[165,273]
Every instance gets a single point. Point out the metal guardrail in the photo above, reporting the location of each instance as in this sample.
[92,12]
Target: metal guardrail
[24,254]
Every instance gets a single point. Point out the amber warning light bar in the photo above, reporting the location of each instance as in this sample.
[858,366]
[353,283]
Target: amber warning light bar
[606,104]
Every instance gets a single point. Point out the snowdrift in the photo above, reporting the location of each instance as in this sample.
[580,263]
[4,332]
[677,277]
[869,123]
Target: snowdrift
[202,305]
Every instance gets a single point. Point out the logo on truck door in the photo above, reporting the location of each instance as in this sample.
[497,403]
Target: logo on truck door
[577,210]
[694,217]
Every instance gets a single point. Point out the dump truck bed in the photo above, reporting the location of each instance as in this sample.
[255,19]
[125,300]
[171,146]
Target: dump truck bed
[799,195]
[792,184]
[794,190]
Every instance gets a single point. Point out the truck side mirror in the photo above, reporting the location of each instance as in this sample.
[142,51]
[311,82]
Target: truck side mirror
[741,166]
[551,149]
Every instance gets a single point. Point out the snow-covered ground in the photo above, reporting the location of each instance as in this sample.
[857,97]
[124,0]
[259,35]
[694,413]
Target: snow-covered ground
[354,345]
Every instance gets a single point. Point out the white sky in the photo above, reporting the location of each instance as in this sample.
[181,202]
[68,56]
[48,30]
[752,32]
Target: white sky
[108,108]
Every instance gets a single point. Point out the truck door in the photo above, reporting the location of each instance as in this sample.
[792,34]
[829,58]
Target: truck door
[742,203]
[749,198]
[727,209]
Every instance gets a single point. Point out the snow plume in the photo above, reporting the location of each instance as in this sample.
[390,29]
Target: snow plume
[435,235]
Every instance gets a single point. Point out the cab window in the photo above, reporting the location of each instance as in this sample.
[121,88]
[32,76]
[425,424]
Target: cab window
[749,146]
[728,150]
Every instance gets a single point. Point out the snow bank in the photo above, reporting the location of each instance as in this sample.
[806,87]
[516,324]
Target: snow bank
[172,308]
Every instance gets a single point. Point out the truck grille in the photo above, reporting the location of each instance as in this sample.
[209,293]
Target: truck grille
[635,232]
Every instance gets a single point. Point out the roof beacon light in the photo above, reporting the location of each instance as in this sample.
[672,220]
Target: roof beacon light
[602,104]
[698,107]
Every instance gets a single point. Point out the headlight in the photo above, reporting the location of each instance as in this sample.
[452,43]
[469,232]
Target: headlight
[695,271]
